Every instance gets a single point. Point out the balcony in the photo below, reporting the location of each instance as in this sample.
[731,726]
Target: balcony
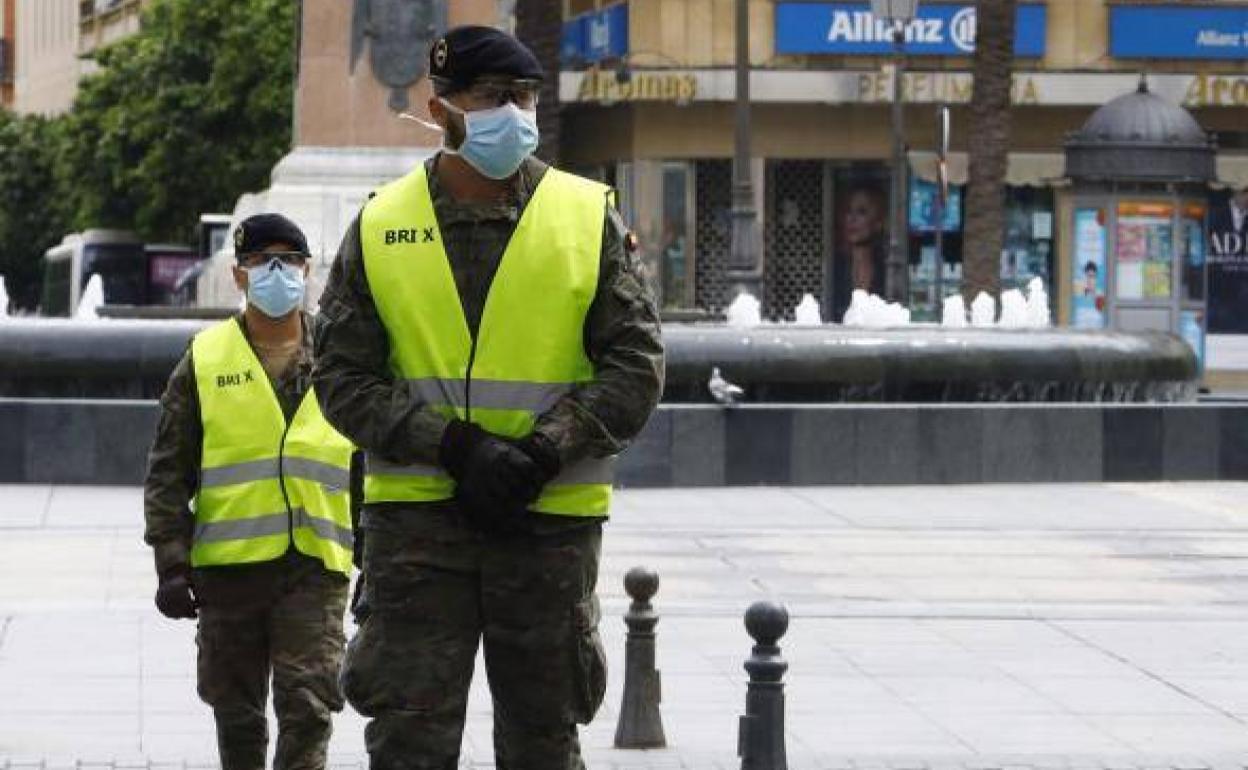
[106,21]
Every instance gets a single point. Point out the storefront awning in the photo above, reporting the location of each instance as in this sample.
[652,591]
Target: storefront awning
[1026,169]
[1233,171]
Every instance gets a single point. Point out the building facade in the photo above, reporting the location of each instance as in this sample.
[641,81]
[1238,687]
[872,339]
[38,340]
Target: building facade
[54,41]
[47,67]
[8,22]
[647,93]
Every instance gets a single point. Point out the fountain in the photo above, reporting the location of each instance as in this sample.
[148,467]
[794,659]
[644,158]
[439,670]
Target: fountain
[4,300]
[1013,310]
[953,312]
[745,312]
[983,311]
[807,311]
[828,363]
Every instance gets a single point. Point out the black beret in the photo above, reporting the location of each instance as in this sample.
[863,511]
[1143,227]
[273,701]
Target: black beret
[256,233]
[466,53]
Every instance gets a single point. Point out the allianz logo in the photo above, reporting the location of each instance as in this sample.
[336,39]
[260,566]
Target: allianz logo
[599,34]
[864,27]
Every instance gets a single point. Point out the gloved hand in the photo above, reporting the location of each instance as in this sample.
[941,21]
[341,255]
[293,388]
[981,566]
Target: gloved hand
[544,453]
[494,480]
[174,596]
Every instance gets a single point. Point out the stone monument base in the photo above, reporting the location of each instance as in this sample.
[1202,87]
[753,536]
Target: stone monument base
[322,189]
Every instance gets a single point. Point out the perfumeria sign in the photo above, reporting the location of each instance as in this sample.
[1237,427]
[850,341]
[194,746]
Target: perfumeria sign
[938,30]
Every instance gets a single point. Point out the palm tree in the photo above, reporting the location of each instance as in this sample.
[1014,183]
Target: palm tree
[989,143]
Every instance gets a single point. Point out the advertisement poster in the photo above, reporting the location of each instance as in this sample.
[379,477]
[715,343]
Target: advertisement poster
[923,205]
[1228,263]
[1145,250]
[1088,305]
[860,233]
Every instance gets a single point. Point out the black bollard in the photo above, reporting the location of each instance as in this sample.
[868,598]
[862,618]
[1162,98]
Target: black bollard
[760,737]
[641,724]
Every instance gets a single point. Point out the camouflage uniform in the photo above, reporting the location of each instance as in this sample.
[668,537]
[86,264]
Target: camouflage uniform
[281,618]
[434,586]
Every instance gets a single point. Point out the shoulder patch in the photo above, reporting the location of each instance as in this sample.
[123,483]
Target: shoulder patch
[627,236]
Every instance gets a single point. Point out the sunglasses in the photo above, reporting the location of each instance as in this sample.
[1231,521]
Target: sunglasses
[258,258]
[522,93]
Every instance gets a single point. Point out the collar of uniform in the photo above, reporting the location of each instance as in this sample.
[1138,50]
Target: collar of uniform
[304,358]
[452,212]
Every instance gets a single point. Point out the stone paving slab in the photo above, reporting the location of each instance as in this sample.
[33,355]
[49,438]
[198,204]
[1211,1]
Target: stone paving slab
[1086,626]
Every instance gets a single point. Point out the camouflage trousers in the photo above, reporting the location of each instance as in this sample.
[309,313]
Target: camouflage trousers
[283,621]
[432,595]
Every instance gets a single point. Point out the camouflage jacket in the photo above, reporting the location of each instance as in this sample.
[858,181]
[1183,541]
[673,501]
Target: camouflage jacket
[621,336]
[173,462]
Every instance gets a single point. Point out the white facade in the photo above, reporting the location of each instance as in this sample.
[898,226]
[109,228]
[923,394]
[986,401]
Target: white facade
[47,66]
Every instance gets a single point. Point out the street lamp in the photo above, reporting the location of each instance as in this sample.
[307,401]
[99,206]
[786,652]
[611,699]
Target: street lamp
[744,257]
[897,277]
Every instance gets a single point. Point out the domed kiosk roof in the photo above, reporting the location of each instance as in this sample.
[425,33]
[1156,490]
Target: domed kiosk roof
[1141,137]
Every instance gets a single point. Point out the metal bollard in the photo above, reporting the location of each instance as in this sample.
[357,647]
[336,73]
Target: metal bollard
[641,724]
[760,736]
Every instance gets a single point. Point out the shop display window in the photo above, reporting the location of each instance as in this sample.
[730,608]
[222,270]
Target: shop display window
[673,250]
[1027,250]
[1192,252]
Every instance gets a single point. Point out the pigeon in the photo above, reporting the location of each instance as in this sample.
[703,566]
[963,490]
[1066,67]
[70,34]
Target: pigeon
[723,391]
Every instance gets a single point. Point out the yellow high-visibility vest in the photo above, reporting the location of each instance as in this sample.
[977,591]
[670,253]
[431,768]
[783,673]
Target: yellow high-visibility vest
[264,483]
[529,351]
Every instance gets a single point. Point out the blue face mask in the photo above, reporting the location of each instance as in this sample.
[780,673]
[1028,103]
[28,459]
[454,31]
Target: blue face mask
[497,140]
[275,289]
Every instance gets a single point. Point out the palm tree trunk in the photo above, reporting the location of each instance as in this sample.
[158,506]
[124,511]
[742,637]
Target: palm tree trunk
[989,143]
[539,23]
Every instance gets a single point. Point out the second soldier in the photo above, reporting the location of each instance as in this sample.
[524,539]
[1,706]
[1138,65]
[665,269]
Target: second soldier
[249,511]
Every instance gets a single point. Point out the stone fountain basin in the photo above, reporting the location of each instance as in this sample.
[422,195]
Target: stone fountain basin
[927,363]
[782,363]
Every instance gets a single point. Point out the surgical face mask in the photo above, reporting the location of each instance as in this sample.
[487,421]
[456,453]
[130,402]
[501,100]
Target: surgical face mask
[274,288]
[496,140]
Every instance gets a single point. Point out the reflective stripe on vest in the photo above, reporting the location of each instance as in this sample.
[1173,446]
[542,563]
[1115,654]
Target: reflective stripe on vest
[529,350]
[264,484]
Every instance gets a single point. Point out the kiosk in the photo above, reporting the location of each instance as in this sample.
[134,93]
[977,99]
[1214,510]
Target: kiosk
[1136,234]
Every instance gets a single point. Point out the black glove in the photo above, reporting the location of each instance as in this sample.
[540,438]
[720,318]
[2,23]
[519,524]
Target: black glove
[174,596]
[494,480]
[543,452]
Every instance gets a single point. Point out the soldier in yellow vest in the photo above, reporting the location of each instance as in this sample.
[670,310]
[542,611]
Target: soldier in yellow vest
[248,506]
[487,339]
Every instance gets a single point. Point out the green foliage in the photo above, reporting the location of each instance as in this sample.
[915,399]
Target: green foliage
[181,118]
[31,217]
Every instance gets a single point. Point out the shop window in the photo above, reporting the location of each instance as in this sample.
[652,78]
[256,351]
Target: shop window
[1192,252]
[794,238]
[1027,250]
[674,255]
[713,202]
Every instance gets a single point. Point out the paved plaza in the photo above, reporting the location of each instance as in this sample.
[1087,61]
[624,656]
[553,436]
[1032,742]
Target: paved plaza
[988,626]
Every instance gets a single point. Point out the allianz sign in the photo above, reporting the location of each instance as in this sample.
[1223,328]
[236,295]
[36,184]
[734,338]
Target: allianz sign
[849,28]
[864,27]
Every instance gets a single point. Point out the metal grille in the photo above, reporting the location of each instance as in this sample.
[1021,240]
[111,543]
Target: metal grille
[793,236]
[713,190]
